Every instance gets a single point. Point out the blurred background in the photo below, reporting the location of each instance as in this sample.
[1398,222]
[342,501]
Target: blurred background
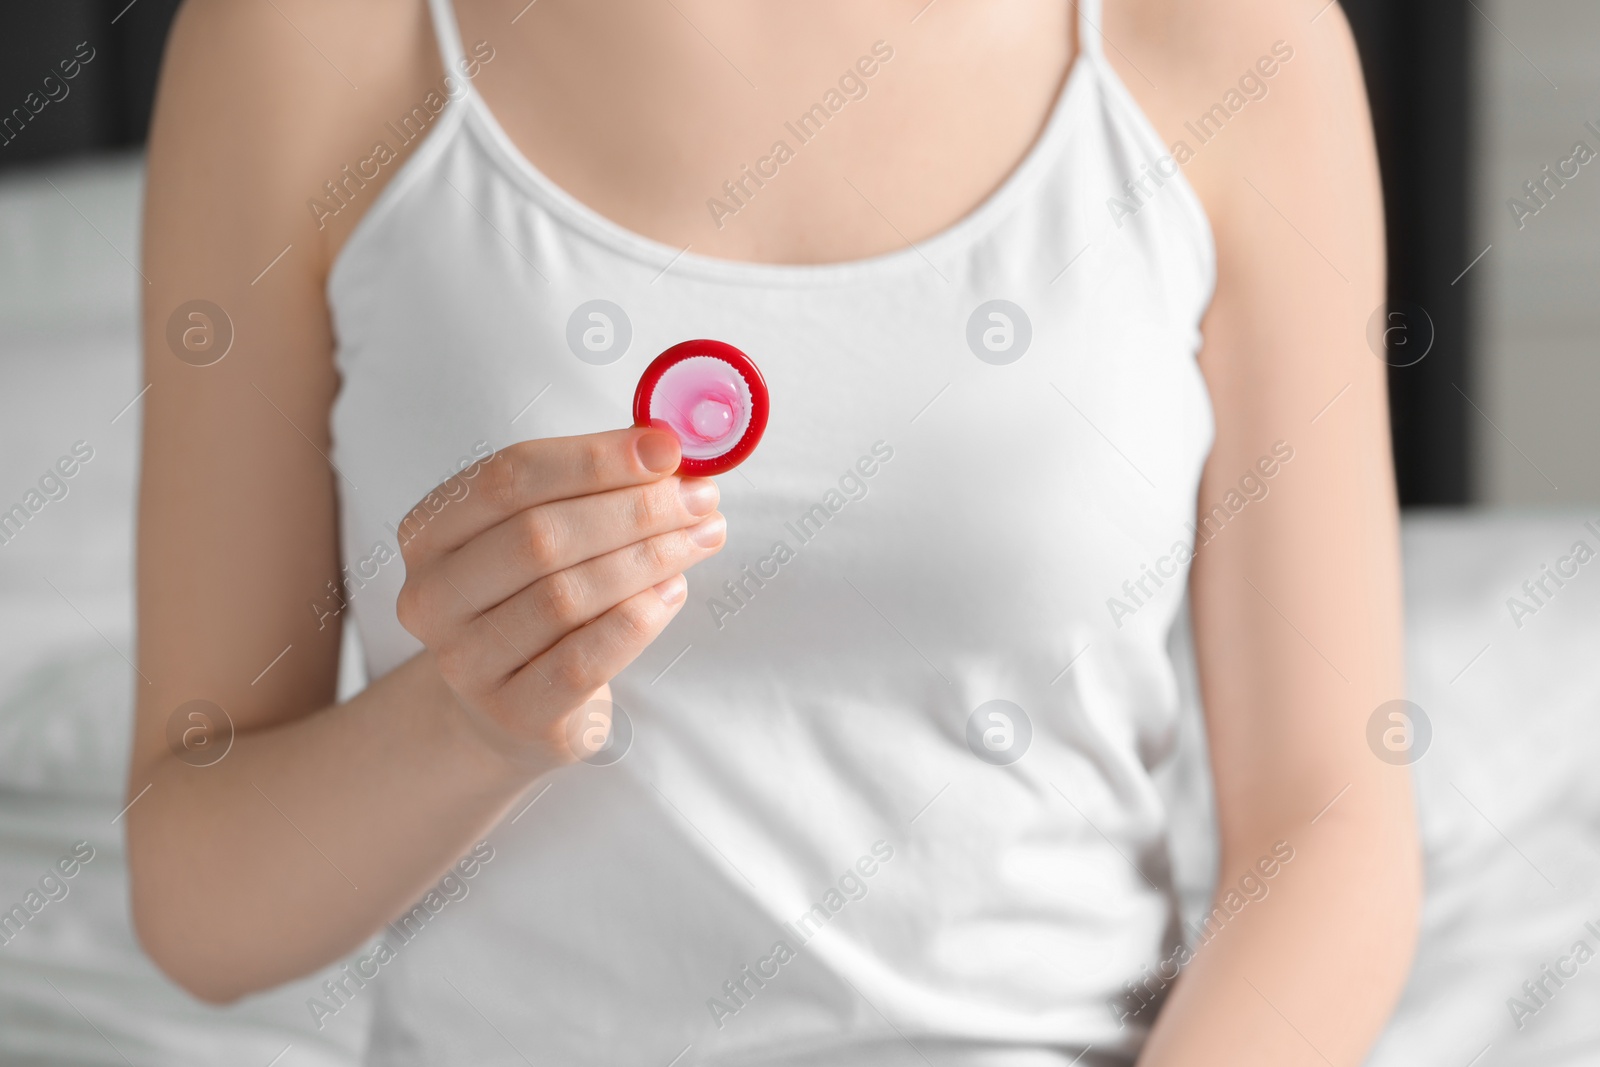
[1470,99]
[1490,336]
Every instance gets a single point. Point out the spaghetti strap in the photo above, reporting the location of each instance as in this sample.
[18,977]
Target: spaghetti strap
[1089,39]
[448,35]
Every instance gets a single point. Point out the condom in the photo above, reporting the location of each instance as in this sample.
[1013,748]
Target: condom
[711,397]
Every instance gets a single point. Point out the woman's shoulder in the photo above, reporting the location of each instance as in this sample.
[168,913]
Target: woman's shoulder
[1243,87]
[1176,50]
[264,101]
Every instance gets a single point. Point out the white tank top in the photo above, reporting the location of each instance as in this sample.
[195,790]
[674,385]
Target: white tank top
[821,846]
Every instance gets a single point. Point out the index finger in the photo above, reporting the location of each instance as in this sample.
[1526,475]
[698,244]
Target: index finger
[530,473]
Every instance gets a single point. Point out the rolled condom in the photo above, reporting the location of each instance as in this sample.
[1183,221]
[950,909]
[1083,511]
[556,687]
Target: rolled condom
[711,397]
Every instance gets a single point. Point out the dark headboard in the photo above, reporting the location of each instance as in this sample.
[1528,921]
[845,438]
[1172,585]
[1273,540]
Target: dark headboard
[1417,56]
[107,103]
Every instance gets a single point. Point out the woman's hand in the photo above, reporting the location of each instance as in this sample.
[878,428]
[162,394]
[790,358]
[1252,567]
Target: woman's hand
[551,575]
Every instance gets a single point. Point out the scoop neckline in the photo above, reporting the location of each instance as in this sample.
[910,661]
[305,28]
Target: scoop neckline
[963,232]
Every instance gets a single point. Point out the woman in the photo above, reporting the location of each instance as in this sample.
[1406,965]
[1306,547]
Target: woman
[1062,311]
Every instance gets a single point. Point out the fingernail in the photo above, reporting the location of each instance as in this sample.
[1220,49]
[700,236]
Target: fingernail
[673,589]
[700,495]
[710,532]
[657,451]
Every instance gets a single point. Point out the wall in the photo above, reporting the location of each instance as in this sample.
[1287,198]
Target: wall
[1537,316]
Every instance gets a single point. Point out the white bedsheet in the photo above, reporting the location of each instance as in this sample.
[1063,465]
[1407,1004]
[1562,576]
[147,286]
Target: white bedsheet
[1508,794]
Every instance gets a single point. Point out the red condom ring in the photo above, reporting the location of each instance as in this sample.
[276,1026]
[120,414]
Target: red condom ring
[711,397]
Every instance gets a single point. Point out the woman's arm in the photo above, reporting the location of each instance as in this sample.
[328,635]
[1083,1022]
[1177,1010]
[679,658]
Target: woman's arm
[1297,600]
[325,820]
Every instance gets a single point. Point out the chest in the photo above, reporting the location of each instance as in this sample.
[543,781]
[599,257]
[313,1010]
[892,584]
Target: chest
[779,133]
[910,466]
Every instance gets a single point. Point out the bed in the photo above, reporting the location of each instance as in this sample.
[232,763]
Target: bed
[1508,789]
